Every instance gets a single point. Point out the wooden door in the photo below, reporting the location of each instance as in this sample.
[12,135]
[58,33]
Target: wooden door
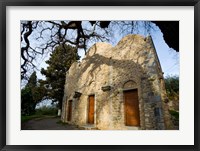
[69,116]
[132,117]
[91,110]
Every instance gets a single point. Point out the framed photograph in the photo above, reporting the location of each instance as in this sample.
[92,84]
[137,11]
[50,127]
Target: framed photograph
[80,75]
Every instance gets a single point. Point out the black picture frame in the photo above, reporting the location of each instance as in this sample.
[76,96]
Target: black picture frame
[5,3]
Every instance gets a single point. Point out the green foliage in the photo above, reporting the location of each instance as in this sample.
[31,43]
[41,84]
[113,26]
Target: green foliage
[31,94]
[39,93]
[59,63]
[27,103]
[25,118]
[172,88]
[175,114]
[32,82]
[172,84]
[40,113]
[46,111]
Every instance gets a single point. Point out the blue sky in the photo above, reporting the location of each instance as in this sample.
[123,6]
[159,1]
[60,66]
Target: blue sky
[169,58]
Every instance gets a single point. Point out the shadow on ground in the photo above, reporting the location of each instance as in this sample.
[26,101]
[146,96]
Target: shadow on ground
[48,123]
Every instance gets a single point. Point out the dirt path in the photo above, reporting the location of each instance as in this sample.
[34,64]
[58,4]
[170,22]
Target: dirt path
[48,123]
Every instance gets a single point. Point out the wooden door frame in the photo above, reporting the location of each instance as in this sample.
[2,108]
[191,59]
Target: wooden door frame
[65,109]
[87,109]
[68,110]
[131,89]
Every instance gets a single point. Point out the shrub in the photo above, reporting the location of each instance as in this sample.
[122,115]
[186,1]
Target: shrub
[175,114]
[46,111]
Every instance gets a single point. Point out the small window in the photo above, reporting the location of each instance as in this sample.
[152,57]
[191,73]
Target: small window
[157,111]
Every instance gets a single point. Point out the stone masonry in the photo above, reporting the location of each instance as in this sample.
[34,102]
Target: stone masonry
[107,72]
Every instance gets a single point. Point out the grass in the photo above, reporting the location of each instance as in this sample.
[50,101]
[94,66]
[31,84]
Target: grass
[46,111]
[41,113]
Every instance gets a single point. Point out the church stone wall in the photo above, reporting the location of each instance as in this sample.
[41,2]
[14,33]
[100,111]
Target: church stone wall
[131,64]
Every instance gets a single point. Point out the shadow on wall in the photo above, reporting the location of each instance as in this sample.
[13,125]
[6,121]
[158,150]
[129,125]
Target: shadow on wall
[124,70]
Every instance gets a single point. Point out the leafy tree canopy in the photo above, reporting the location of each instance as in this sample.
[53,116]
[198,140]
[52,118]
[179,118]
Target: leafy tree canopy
[172,88]
[58,64]
[31,94]
[172,84]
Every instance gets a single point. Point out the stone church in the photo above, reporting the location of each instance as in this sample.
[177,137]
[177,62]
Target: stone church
[117,88]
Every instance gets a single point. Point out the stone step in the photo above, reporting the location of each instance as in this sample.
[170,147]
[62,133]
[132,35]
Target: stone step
[88,127]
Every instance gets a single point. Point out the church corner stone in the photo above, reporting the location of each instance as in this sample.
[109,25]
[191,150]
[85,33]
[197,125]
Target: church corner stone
[121,88]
